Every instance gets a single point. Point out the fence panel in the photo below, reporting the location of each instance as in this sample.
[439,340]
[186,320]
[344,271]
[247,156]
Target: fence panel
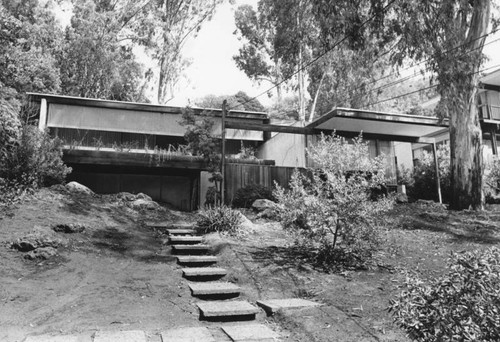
[241,175]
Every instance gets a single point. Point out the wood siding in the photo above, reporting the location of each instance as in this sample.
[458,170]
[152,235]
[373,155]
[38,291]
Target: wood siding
[241,175]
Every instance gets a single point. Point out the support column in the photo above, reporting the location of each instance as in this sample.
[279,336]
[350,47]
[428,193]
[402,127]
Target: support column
[42,122]
[494,147]
[436,166]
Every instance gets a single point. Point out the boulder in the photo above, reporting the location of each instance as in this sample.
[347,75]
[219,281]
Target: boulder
[33,241]
[42,253]
[144,204]
[79,188]
[246,224]
[140,195]
[401,198]
[267,214]
[263,204]
[69,228]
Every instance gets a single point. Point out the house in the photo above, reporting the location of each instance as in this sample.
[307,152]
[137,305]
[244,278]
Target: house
[489,117]
[120,146]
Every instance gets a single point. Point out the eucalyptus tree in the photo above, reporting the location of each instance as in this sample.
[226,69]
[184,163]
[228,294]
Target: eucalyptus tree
[449,35]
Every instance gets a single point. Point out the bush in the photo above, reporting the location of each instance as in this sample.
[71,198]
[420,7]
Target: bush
[10,128]
[331,205]
[464,305]
[220,219]
[36,157]
[422,183]
[244,197]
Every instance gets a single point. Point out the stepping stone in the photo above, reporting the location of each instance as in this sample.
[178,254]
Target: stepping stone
[187,335]
[273,305]
[223,309]
[213,288]
[181,231]
[171,225]
[196,259]
[122,336]
[251,333]
[200,248]
[49,338]
[204,272]
[185,239]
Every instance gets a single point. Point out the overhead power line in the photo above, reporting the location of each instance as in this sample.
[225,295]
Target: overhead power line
[423,89]
[308,64]
[406,78]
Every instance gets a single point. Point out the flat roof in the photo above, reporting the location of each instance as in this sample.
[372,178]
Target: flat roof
[492,78]
[380,125]
[146,107]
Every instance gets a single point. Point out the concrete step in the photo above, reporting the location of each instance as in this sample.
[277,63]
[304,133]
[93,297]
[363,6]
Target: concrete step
[191,249]
[273,305]
[227,310]
[181,231]
[122,336]
[251,333]
[185,240]
[204,272]
[196,260]
[214,289]
[196,334]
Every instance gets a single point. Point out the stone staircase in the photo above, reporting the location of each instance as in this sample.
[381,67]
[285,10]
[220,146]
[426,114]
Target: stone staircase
[218,301]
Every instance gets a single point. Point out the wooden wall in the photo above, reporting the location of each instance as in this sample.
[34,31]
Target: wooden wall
[241,175]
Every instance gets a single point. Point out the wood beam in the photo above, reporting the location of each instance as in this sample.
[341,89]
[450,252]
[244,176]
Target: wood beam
[268,128]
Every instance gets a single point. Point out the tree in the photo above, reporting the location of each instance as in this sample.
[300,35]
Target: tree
[163,27]
[449,35]
[240,101]
[94,62]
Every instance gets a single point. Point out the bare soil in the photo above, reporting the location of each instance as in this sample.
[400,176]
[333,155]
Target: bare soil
[119,274]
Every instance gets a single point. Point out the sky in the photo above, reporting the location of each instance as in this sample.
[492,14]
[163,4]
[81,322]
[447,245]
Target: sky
[213,71]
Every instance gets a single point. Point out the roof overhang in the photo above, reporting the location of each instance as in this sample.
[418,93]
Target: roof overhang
[491,79]
[380,125]
[136,106]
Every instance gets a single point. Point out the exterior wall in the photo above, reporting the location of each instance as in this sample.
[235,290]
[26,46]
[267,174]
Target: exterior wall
[285,149]
[164,186]
[404,154]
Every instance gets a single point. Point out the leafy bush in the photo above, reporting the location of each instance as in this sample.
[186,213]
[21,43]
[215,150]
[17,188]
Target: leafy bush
[36,157]
[423,177]
[244,197]
[464,305]
[492,181]
[220,219]
[331,205]
[10,127]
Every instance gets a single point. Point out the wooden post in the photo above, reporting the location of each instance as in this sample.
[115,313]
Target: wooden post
[223,153]
[436,166]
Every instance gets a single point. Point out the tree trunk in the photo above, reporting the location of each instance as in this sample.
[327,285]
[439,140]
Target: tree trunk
[315,102]
[465,130]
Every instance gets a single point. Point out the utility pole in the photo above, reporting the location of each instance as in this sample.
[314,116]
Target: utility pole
[223,153]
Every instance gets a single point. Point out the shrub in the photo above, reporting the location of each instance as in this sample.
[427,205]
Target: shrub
[244,197]
[10,128]
[423,177]
[464,305]
[36,157]
[220,219]
[331,205]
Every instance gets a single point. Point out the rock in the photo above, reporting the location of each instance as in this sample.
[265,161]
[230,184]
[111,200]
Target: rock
[246,224]
[77,187]
[33,241]
[42,253]
[267,214]
[401,198]
[140,195]
[69,228]
[127,196]
[263,204]
[144,204]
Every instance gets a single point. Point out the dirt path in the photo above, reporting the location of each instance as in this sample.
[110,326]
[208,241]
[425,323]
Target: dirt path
[120,275]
